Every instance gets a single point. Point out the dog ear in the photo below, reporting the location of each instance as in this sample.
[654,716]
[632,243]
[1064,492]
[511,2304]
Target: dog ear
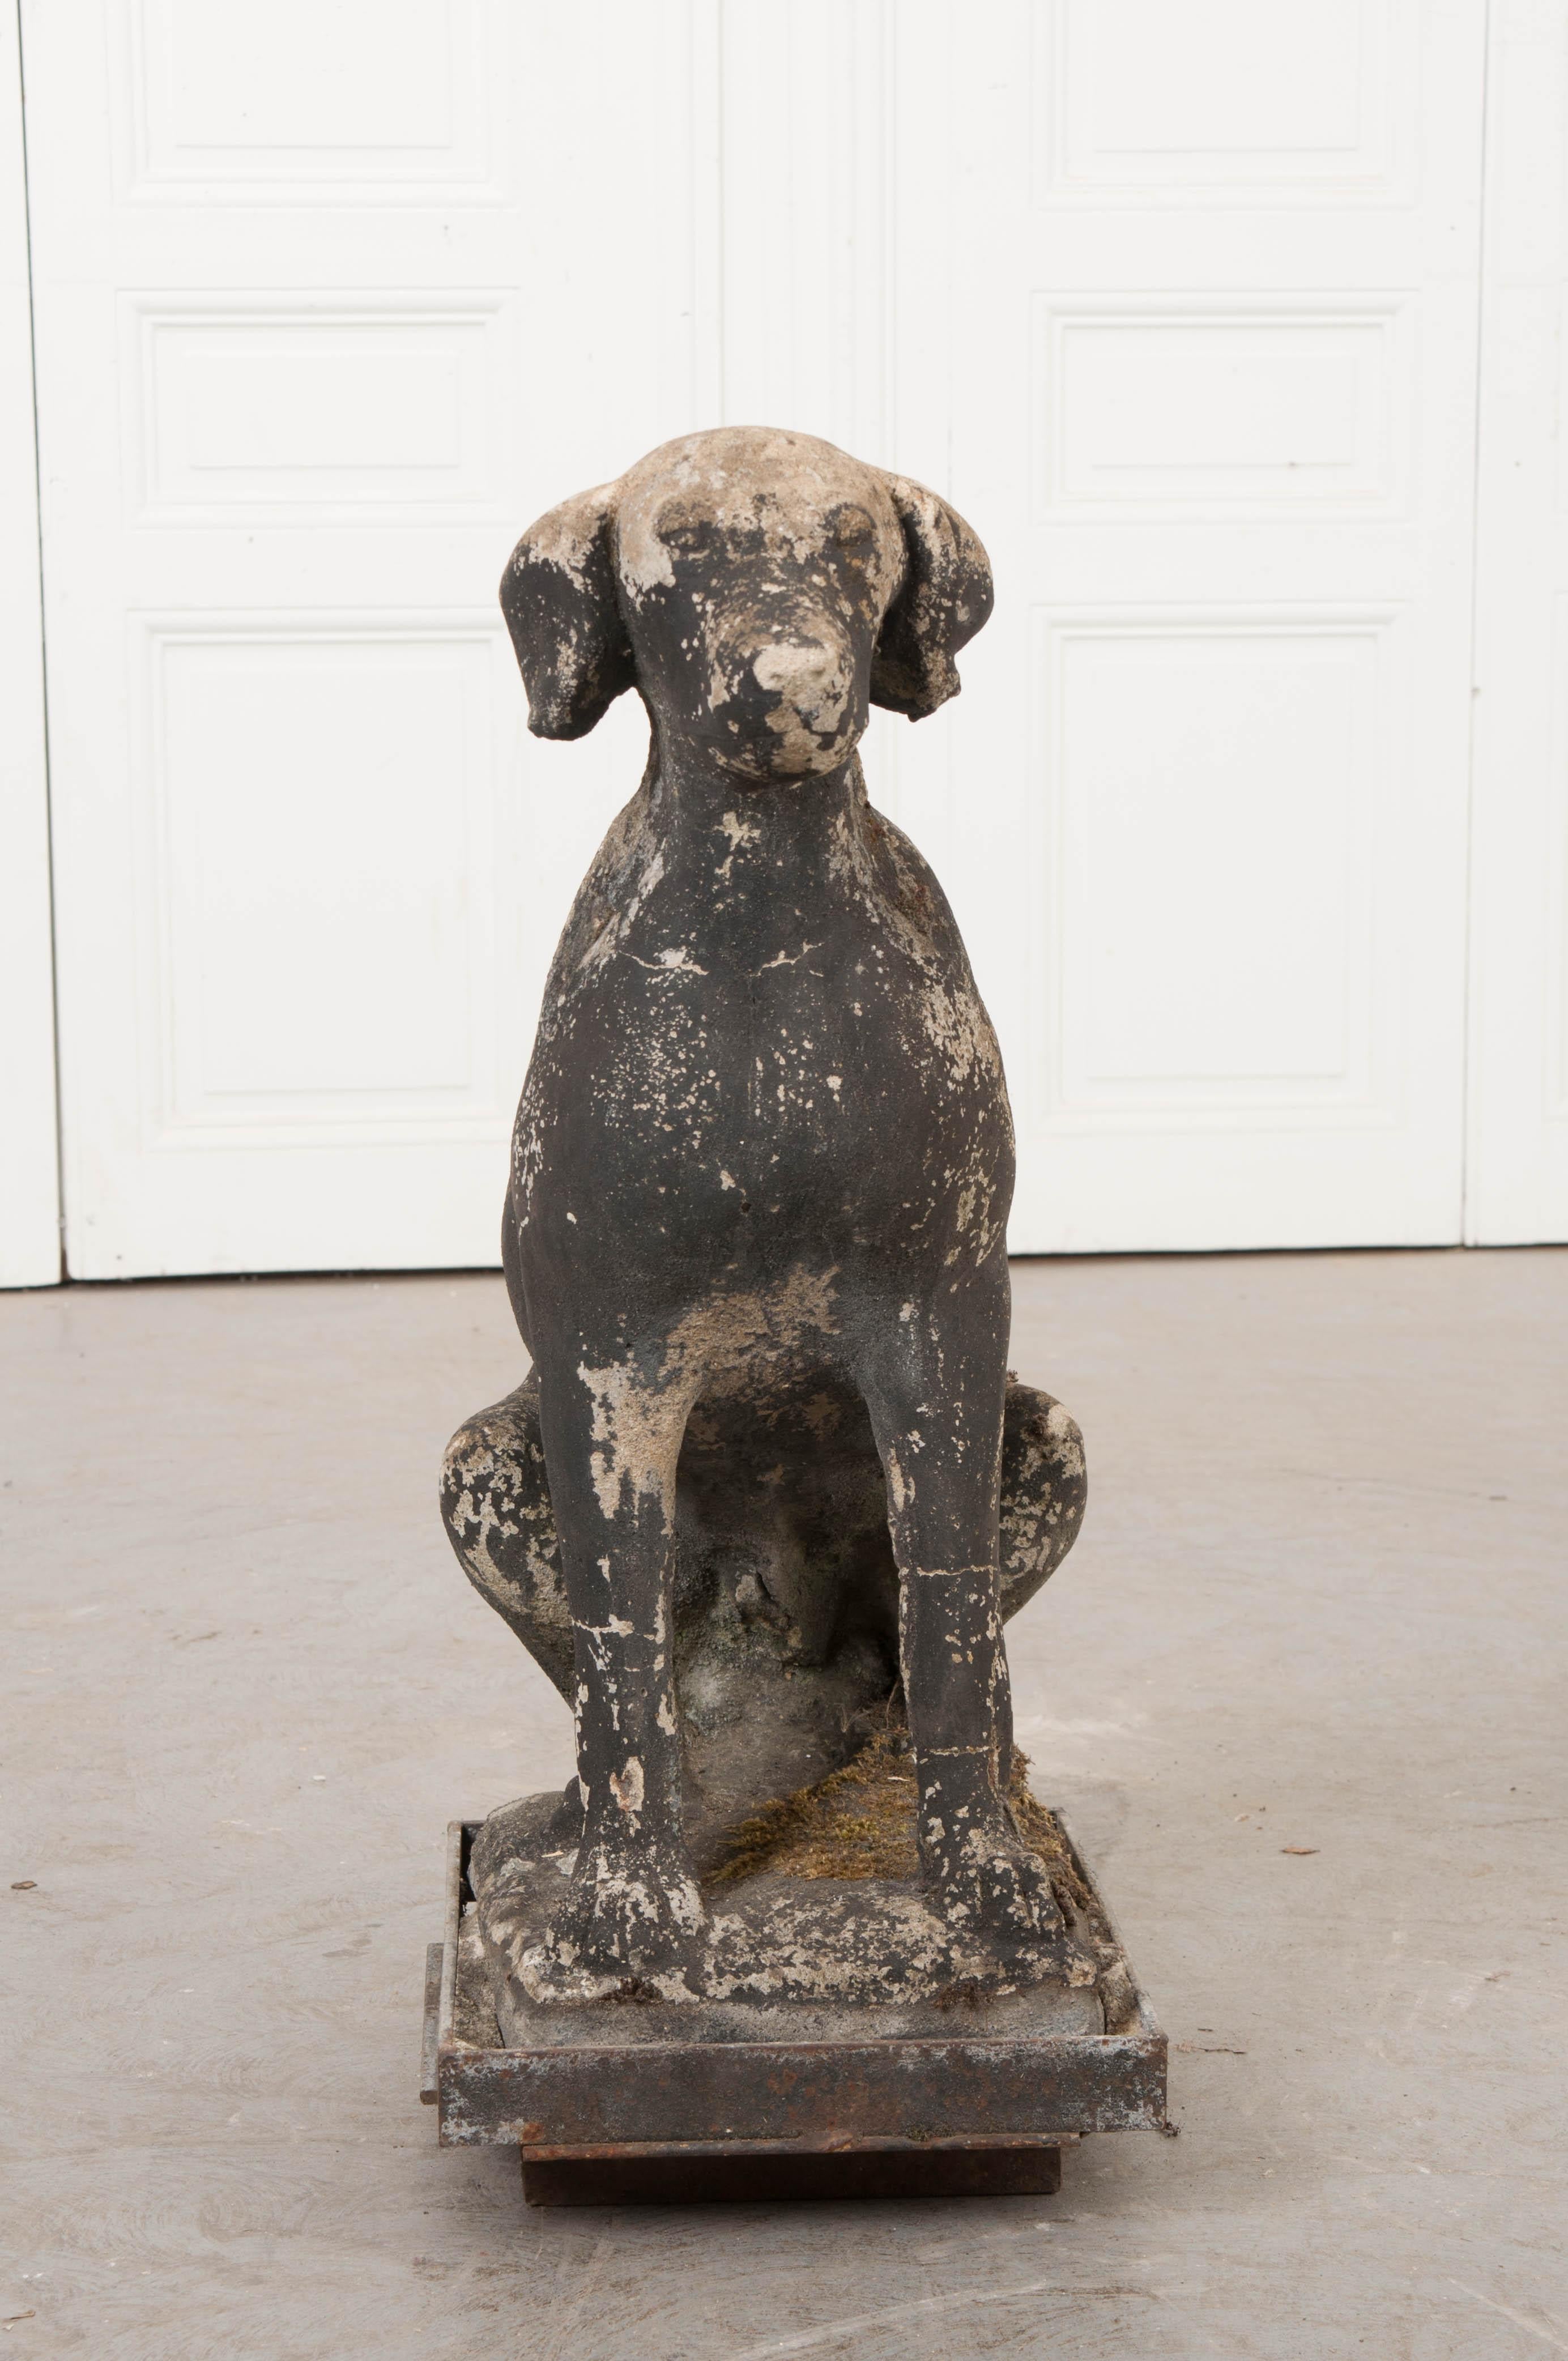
[944,599]
[558,595]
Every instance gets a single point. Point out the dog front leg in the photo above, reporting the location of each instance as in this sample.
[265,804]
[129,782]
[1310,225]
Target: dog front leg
[936,1409]
[633,1909]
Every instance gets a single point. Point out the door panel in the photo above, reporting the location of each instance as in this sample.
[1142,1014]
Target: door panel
[1208,392]
[313,346]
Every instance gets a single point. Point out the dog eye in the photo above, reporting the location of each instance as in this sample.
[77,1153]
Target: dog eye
[688,534]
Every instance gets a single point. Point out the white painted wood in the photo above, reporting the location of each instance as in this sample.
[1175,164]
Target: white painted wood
[30,1199]
[1519,1070]
[332,302]
[1178,305]
[1201,367]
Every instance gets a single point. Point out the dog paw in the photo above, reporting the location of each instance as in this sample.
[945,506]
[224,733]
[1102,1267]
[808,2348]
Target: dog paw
[627,1929]
[994,1885]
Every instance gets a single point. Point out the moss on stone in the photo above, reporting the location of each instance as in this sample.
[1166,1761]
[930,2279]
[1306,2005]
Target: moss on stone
[860,1822]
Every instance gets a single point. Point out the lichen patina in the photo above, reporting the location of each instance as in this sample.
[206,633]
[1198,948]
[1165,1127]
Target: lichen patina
[769,1471]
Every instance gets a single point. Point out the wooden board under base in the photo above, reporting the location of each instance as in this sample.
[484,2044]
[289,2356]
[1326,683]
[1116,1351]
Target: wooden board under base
[698,2177]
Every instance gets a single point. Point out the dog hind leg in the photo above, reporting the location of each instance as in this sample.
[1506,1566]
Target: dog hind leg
[495,1504]
[1044,1488]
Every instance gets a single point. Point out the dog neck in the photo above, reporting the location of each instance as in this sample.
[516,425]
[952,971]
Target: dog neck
[766,836]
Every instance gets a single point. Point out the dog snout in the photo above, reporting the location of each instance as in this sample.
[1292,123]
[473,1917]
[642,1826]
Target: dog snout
[793,708]
[806,675]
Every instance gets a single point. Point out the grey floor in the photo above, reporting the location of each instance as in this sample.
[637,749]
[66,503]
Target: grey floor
[1318,1602]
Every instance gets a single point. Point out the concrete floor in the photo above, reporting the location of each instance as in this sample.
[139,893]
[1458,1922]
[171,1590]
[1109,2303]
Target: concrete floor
[1318,1602]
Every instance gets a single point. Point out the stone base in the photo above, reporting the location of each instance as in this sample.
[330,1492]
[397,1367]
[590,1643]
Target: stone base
[814,1904]
[776,1948]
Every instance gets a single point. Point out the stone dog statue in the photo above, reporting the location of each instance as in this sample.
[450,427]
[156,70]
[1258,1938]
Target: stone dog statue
[769,1464]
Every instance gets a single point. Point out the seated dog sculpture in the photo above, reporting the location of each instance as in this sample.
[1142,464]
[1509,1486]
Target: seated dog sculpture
[769,1462]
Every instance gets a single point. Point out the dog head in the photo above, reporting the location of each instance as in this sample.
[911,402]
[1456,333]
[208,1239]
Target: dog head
[763,590]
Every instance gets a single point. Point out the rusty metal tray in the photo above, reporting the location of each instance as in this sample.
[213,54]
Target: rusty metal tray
[609,2106]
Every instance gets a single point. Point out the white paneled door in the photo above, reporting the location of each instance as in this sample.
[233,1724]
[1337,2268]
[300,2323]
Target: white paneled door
[1179,304]
[330,302]
[1212,339]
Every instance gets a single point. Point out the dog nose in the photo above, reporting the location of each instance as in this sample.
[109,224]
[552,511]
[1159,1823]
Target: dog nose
[803,672]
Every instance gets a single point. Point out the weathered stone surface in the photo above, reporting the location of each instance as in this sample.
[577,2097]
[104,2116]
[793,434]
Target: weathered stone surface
[768,1471]
[779,1948]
